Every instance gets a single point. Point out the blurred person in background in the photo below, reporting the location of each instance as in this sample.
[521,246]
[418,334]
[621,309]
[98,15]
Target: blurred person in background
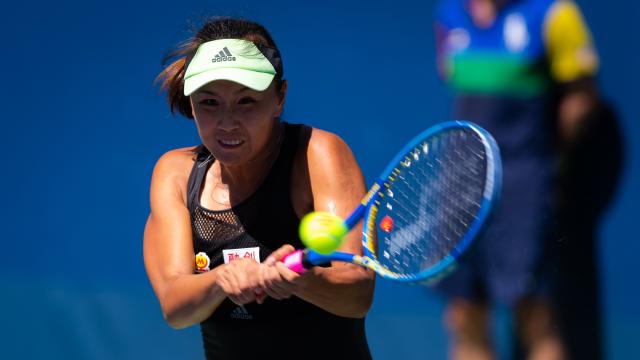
[591,162]
[524,70]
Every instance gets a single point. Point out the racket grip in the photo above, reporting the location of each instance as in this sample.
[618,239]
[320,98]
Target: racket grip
[295,261]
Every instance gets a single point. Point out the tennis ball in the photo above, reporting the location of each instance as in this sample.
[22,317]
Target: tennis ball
[322,232]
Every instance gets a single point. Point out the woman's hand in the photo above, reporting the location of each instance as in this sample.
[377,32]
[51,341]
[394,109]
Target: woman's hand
[239,279]
[276,280]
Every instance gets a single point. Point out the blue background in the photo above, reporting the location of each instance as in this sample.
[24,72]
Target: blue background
[82,126]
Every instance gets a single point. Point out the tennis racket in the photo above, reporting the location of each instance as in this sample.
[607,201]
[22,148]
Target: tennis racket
[426,208]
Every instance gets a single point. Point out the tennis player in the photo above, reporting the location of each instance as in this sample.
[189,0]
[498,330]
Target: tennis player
[224,213]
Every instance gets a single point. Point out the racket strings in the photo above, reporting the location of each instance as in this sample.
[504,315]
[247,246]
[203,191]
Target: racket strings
[432,200]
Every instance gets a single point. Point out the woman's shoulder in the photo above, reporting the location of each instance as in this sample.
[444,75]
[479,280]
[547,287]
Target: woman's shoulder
[175,164]
[177,158]
[322,156]
[324,143]
[318,147]
[318,144]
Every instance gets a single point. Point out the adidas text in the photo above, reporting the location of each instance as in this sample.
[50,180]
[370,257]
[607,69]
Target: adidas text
[223,55]
[226,58]
[241,313]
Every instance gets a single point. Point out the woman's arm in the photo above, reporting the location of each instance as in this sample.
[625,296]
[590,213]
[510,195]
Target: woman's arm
[185,298]
[337,186]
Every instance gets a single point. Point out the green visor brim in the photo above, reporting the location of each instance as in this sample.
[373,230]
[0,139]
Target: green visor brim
[252,79]
[234,60]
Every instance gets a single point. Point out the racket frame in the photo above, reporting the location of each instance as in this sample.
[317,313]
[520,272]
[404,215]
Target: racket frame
[367,209]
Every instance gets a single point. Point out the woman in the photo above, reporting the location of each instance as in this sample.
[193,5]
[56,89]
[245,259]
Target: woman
[224,213]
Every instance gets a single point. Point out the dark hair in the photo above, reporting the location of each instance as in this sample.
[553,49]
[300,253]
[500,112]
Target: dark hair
[171,78]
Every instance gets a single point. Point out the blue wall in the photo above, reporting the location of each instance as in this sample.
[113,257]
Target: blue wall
[83,126]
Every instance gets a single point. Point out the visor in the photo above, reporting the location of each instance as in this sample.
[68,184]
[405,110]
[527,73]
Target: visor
[235,60]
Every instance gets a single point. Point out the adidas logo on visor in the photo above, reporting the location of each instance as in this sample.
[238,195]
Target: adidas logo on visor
[223,55]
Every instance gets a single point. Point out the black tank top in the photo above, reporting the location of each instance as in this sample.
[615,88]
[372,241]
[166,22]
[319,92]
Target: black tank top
[283,329]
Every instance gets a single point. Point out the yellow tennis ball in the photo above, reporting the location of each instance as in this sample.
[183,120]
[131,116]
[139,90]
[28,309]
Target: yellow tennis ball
[322,232]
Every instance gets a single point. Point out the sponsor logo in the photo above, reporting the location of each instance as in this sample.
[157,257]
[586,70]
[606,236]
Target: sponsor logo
[386,224]
[223,55]
[241,313]
[202,262]
[246,253]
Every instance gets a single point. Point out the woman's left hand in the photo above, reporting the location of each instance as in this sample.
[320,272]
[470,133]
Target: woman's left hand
[276,280]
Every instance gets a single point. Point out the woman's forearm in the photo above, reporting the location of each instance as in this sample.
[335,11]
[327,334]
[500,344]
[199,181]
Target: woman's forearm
[344,290]
[190,299]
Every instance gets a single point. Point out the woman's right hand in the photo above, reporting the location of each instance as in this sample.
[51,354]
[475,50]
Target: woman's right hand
[239,279]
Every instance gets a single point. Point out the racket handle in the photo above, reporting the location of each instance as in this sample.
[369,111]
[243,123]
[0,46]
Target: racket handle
[296,261]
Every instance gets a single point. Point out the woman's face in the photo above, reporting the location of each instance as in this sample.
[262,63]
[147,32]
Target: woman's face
[234,122]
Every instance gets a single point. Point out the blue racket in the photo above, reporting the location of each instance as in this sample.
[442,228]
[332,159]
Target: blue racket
[426,208]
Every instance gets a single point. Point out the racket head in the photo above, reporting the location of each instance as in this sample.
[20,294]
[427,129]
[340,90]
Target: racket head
[431,201]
